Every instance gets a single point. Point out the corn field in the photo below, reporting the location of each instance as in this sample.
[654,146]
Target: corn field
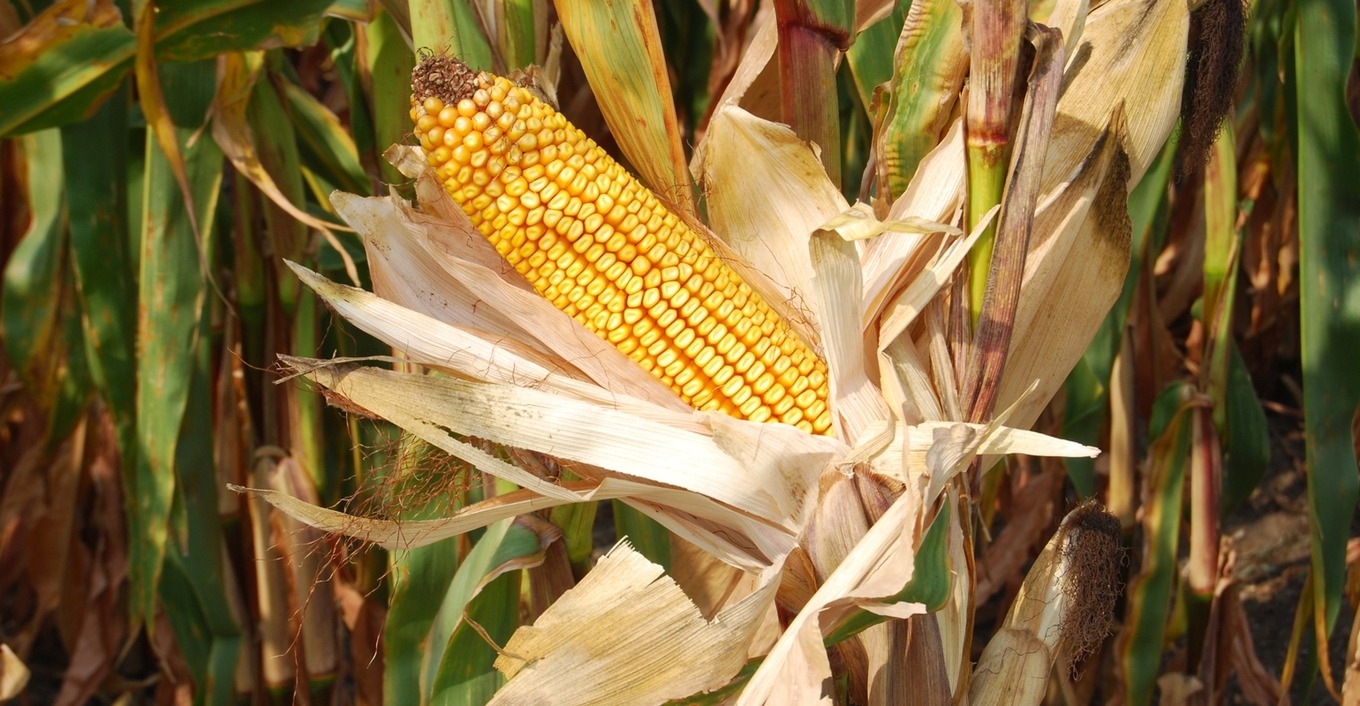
[693,352]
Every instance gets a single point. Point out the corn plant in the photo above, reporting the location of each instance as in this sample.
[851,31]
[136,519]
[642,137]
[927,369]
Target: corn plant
[786,283]
[875,285]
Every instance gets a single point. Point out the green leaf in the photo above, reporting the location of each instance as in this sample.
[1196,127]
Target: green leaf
[688,38]
[522,32]
[192,30]
[171,306]
[62,65]
[40,320]
[95,161]
[418,580]
[389,62]
[277,147]
[209,659]
[925,85]
[1329,267]
[326,144]
[1246,441]
[577,522]
[1084,413]
[459,667]
[871,56]
[1151,591]
[472,678]
[74,56]
[34,273]
[448,26]
[647,536]
[1222,243]
[194,588]
[931,581]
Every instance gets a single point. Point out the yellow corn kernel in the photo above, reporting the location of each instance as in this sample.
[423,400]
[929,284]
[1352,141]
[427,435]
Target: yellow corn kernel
[607,252]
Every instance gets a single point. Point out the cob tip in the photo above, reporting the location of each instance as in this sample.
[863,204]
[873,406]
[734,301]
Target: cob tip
[444,77]
[1093,551]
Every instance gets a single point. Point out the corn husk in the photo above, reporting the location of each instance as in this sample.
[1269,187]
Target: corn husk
[1066,601]
[622,666]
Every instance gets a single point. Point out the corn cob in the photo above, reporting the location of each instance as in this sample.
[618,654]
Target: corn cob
[603,249]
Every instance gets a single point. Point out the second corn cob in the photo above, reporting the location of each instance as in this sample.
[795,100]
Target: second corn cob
[603,249]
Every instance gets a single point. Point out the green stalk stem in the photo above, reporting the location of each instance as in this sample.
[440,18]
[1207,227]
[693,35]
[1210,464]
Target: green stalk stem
[997,29]
[810,41]
[1005,271]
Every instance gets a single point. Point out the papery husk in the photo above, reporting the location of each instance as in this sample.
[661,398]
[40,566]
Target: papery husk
[924,667]
[1066,600]
[766,193]
[655,644]
[935,194]
[955,619]
[1079,255]
[740,489]
[1131,52]
[754,85]
[906,383]
[425,340]
[849,503]
[272,607]
[901,311]
[858,404]
[879,563]
[837,525]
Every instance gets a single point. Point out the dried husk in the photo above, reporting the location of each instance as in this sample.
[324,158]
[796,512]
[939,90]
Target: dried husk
[1066,600]
[647,654]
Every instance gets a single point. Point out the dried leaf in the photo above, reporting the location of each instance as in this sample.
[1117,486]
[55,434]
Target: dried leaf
[657,646]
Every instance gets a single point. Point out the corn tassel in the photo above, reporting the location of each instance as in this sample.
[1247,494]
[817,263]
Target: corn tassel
[603,249]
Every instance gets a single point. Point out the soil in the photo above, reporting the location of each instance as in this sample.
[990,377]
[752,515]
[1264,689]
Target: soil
[1270,535]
